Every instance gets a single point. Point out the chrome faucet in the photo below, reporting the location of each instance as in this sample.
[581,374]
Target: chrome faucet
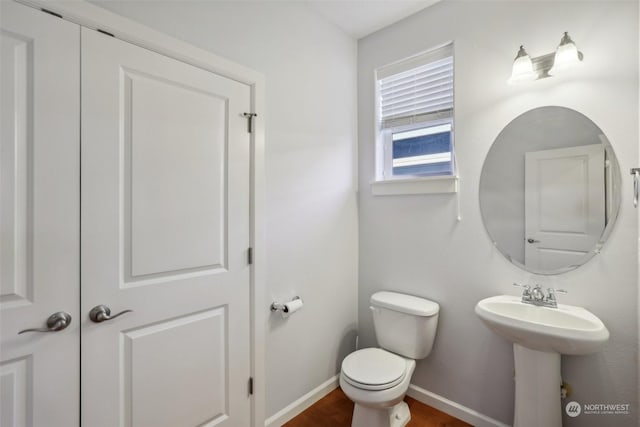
[536,295]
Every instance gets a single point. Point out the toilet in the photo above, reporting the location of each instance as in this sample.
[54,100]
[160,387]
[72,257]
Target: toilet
[377,379]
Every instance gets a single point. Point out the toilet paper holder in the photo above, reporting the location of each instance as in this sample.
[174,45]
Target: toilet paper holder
[276,306]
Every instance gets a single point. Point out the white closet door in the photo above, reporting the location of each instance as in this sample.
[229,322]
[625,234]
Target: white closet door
[39,217]
[165,233]
[564,205]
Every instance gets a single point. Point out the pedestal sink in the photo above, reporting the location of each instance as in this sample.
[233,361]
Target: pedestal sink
[540,335]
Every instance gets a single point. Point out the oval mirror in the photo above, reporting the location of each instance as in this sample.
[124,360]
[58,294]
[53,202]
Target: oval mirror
[550,190]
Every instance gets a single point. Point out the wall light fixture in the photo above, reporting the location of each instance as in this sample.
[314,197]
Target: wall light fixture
[526,68]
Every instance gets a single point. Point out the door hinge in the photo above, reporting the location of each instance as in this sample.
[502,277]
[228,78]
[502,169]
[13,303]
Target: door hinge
[250,117]
[250,385]
[250,256]
[51,13]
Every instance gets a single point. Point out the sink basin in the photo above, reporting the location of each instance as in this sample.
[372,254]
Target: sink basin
[565,330]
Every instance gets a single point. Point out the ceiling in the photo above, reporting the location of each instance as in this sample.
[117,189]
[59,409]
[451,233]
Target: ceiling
[360,18]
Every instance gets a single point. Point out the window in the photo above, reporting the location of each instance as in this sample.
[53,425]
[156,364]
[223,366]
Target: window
[415,116]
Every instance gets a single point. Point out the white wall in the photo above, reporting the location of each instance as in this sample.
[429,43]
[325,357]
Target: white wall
[311,213]
[414,244]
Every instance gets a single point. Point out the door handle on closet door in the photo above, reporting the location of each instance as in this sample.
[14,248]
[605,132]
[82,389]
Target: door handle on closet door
[56,322]
[101,313]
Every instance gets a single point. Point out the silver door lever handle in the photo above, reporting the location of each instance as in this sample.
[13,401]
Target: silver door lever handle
[101,313]
[56,322]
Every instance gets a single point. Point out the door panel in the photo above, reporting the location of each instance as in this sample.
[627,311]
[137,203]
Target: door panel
[170,208]
[197,342]
[564,205]
[39,216]
[165,230]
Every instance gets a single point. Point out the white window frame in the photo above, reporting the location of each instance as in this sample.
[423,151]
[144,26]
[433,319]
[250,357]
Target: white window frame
[385,182]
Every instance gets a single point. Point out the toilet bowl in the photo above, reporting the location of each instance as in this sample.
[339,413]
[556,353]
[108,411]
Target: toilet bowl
[377,379]
[378,402]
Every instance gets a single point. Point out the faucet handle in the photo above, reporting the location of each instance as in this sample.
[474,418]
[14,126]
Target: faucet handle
[551,292]
[551,295]
[526,292]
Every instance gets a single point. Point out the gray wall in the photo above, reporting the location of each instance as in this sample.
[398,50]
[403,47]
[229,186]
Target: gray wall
[311,212]
[414,243]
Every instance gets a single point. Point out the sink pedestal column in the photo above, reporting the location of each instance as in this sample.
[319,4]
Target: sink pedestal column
[538,382]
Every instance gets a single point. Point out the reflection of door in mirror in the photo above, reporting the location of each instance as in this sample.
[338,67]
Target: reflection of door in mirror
[564,205]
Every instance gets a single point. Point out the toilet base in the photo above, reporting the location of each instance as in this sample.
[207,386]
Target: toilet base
[396,416]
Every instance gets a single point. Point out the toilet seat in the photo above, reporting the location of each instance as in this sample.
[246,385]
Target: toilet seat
[373,369]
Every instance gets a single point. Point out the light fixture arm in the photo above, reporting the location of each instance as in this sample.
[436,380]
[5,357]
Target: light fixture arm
[542,64]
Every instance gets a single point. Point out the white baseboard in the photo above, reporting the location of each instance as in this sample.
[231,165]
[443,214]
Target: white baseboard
[452,408]
[295,408]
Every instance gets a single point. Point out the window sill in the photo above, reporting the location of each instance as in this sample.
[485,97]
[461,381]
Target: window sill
[429,185]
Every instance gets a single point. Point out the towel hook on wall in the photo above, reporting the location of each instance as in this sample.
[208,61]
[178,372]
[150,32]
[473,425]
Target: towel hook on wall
[636,177]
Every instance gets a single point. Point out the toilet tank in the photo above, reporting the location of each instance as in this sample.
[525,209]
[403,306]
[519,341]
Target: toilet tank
[404,324]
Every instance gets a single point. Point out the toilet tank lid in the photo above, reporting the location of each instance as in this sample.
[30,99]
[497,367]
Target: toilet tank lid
[404,303]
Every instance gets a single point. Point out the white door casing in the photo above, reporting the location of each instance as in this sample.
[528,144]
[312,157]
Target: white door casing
[39,217]
[564,205]
[165,233]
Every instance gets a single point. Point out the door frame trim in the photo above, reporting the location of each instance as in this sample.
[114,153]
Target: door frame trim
[91,16]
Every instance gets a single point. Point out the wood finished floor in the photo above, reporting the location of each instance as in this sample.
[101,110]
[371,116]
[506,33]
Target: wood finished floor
[335,410]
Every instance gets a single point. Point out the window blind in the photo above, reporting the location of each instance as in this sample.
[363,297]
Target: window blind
[419,94]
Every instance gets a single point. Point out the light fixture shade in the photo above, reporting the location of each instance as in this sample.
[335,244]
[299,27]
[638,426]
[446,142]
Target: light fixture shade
[567,55]
[522,68]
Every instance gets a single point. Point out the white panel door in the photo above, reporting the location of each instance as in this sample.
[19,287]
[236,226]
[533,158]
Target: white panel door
[39,217]
[564,205]
[165,233]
